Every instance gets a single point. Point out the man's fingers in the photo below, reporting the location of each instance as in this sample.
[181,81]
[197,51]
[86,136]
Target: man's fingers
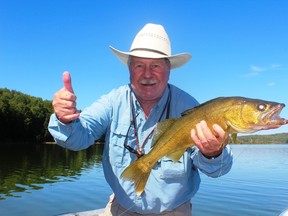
[69,118]
[208,143]
[66,118]
[200,132]
[221,135]
[67,81]
[64,101]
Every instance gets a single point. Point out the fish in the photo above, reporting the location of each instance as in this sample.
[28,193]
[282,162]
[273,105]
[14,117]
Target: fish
[172,136]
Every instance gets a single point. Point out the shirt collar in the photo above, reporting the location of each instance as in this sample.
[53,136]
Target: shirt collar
[158,107]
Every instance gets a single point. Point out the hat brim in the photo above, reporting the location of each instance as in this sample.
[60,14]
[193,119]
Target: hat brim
[175,60]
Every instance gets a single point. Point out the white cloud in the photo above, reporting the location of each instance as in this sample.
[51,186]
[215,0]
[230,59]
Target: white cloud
[271,84]
[276,66]
[256,70]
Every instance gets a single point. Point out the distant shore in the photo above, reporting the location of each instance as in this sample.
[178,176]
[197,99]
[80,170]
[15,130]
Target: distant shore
[280,138]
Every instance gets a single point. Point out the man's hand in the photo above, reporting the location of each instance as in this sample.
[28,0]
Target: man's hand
[64,101]
[209,144]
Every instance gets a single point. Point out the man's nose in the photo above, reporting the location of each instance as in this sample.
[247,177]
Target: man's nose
[147,72]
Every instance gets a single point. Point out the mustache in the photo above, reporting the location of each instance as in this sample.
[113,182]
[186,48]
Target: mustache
[148,81]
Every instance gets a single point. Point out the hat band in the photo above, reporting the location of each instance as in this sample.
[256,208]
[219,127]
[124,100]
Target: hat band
[149,50]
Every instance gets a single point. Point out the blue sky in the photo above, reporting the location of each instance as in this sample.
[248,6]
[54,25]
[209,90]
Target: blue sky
[239,48]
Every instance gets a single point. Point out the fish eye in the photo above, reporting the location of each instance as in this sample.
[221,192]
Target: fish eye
[261,107]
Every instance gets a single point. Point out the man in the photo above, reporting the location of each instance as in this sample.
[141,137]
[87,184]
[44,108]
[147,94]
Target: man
[127,117]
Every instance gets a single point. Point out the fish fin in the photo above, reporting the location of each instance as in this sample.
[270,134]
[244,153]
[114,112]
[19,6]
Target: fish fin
[175,156]
[137,172]
[234,137]
[161,128]
[186,112]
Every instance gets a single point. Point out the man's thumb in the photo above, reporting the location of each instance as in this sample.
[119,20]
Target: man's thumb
[67,81]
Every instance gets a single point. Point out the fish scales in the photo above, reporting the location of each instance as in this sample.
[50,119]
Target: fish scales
[172,136]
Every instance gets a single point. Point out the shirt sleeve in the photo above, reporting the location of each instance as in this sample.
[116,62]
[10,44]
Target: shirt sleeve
[82,132]
[214,167]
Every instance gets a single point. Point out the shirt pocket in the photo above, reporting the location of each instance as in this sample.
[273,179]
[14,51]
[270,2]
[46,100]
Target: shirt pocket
[171,170]
[120,132]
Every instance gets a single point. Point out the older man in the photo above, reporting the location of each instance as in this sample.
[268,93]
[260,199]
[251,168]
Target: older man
[127,117]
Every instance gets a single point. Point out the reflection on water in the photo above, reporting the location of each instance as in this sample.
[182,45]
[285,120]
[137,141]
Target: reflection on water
[62,181]
[255,186]
[26,167]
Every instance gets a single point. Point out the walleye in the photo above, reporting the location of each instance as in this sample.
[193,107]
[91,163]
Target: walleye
[172,136]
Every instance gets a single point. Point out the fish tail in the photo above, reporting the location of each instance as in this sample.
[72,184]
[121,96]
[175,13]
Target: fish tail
[138,172]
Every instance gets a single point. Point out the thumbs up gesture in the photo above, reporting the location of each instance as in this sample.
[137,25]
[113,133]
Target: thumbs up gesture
[64,101]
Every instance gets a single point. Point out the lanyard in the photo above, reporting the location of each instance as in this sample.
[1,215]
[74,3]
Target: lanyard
[140,149]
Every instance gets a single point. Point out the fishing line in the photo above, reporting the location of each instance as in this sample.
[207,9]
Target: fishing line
[221,165]
[234,160]
[126,210]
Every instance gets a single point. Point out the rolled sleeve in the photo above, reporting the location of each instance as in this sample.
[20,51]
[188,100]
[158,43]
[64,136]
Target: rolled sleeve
[72,136]
[59,130]
[214,167]
[90,126]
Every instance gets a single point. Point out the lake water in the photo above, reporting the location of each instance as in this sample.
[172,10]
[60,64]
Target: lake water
[48,180]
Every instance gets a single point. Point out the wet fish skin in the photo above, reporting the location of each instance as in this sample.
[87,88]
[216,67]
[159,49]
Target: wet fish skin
[172,136]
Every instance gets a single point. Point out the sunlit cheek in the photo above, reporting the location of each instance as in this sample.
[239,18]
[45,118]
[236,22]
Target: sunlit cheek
[133,78]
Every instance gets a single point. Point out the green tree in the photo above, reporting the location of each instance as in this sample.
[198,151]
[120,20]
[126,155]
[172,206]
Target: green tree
[23,118]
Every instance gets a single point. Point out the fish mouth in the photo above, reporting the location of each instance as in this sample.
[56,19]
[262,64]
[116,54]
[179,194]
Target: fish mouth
[272,119]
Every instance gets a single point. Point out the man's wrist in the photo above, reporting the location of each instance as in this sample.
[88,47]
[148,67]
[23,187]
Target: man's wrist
[213,156]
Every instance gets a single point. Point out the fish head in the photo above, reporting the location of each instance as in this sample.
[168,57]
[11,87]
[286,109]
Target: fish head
[250,115]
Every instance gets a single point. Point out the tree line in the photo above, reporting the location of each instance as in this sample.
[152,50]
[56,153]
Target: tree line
[279,138]
[24,118]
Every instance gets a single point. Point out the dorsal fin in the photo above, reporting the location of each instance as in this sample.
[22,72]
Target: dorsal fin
[186,112]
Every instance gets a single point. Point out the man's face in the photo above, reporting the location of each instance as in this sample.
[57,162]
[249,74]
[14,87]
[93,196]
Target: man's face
[149,77]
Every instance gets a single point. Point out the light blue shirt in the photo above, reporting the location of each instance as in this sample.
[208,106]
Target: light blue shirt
[169,184]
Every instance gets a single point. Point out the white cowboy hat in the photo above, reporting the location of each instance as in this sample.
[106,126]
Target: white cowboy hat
[152,41]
